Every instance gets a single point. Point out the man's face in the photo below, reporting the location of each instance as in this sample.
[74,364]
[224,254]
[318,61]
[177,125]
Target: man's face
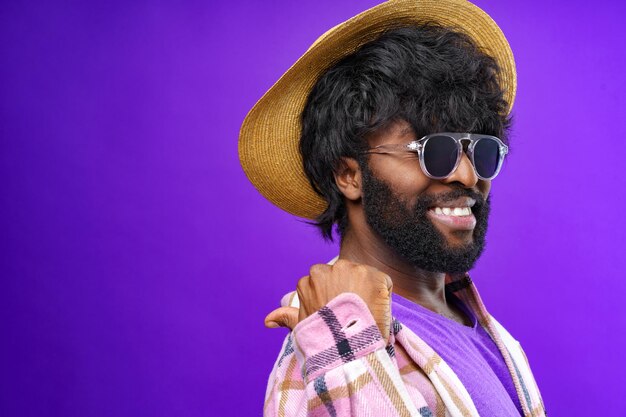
[402,206]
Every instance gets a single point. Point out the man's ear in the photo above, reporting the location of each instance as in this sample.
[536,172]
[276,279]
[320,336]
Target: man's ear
[348,178]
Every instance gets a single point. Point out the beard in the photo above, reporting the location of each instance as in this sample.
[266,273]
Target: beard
[411,235]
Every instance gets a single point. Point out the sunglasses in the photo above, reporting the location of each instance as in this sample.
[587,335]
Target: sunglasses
[440,153]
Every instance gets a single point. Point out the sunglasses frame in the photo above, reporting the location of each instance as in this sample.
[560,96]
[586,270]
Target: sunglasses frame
[417,146]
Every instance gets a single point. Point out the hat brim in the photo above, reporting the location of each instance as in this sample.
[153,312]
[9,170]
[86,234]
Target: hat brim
[270,133]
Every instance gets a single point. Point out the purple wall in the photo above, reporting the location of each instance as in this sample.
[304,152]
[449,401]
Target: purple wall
[138,263]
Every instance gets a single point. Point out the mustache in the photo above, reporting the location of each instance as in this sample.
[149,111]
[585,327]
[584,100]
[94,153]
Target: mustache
[424,202]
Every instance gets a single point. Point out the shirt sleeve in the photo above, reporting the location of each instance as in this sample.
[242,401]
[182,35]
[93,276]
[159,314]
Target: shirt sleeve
[335,363]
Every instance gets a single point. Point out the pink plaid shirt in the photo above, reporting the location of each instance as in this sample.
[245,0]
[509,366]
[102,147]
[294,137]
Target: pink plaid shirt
[335,363]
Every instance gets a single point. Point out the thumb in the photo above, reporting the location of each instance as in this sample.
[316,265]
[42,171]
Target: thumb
[282,317]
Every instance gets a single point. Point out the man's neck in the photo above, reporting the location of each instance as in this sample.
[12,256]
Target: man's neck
[422,287]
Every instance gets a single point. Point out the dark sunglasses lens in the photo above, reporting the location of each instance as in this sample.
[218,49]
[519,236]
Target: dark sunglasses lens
[440,155]
[486,157]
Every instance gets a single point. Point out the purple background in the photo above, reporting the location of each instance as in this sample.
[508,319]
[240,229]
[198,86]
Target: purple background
[138,263]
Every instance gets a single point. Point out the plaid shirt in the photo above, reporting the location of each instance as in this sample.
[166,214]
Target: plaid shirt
[336,363]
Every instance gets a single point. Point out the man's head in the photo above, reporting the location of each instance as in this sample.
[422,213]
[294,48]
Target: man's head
[360,80]
[408,83]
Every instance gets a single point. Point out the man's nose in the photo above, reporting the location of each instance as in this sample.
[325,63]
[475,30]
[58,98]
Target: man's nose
[464,173]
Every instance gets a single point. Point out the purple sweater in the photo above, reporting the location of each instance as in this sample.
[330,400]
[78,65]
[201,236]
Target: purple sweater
[469,351]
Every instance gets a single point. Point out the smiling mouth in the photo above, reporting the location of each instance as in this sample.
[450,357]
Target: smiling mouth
[453,211]
[454,215]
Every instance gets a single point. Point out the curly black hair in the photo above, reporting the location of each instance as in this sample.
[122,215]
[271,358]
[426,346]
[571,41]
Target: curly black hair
[435,78]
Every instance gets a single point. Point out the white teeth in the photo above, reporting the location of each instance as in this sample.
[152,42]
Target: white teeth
[456,211]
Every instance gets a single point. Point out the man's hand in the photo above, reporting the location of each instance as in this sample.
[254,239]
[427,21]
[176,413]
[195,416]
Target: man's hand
[325,282]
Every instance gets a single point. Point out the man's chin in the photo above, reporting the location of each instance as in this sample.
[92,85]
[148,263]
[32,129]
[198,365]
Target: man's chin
[456,239]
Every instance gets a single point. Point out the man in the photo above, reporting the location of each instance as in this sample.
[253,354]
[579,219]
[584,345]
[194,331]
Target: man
[400,116]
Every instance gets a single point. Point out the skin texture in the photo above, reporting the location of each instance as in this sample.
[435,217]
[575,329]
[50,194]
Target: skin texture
[362,246]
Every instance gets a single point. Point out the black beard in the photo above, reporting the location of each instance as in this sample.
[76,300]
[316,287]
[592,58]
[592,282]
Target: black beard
[411,235]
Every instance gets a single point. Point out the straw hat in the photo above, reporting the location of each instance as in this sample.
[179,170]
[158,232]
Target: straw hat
[269,136]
